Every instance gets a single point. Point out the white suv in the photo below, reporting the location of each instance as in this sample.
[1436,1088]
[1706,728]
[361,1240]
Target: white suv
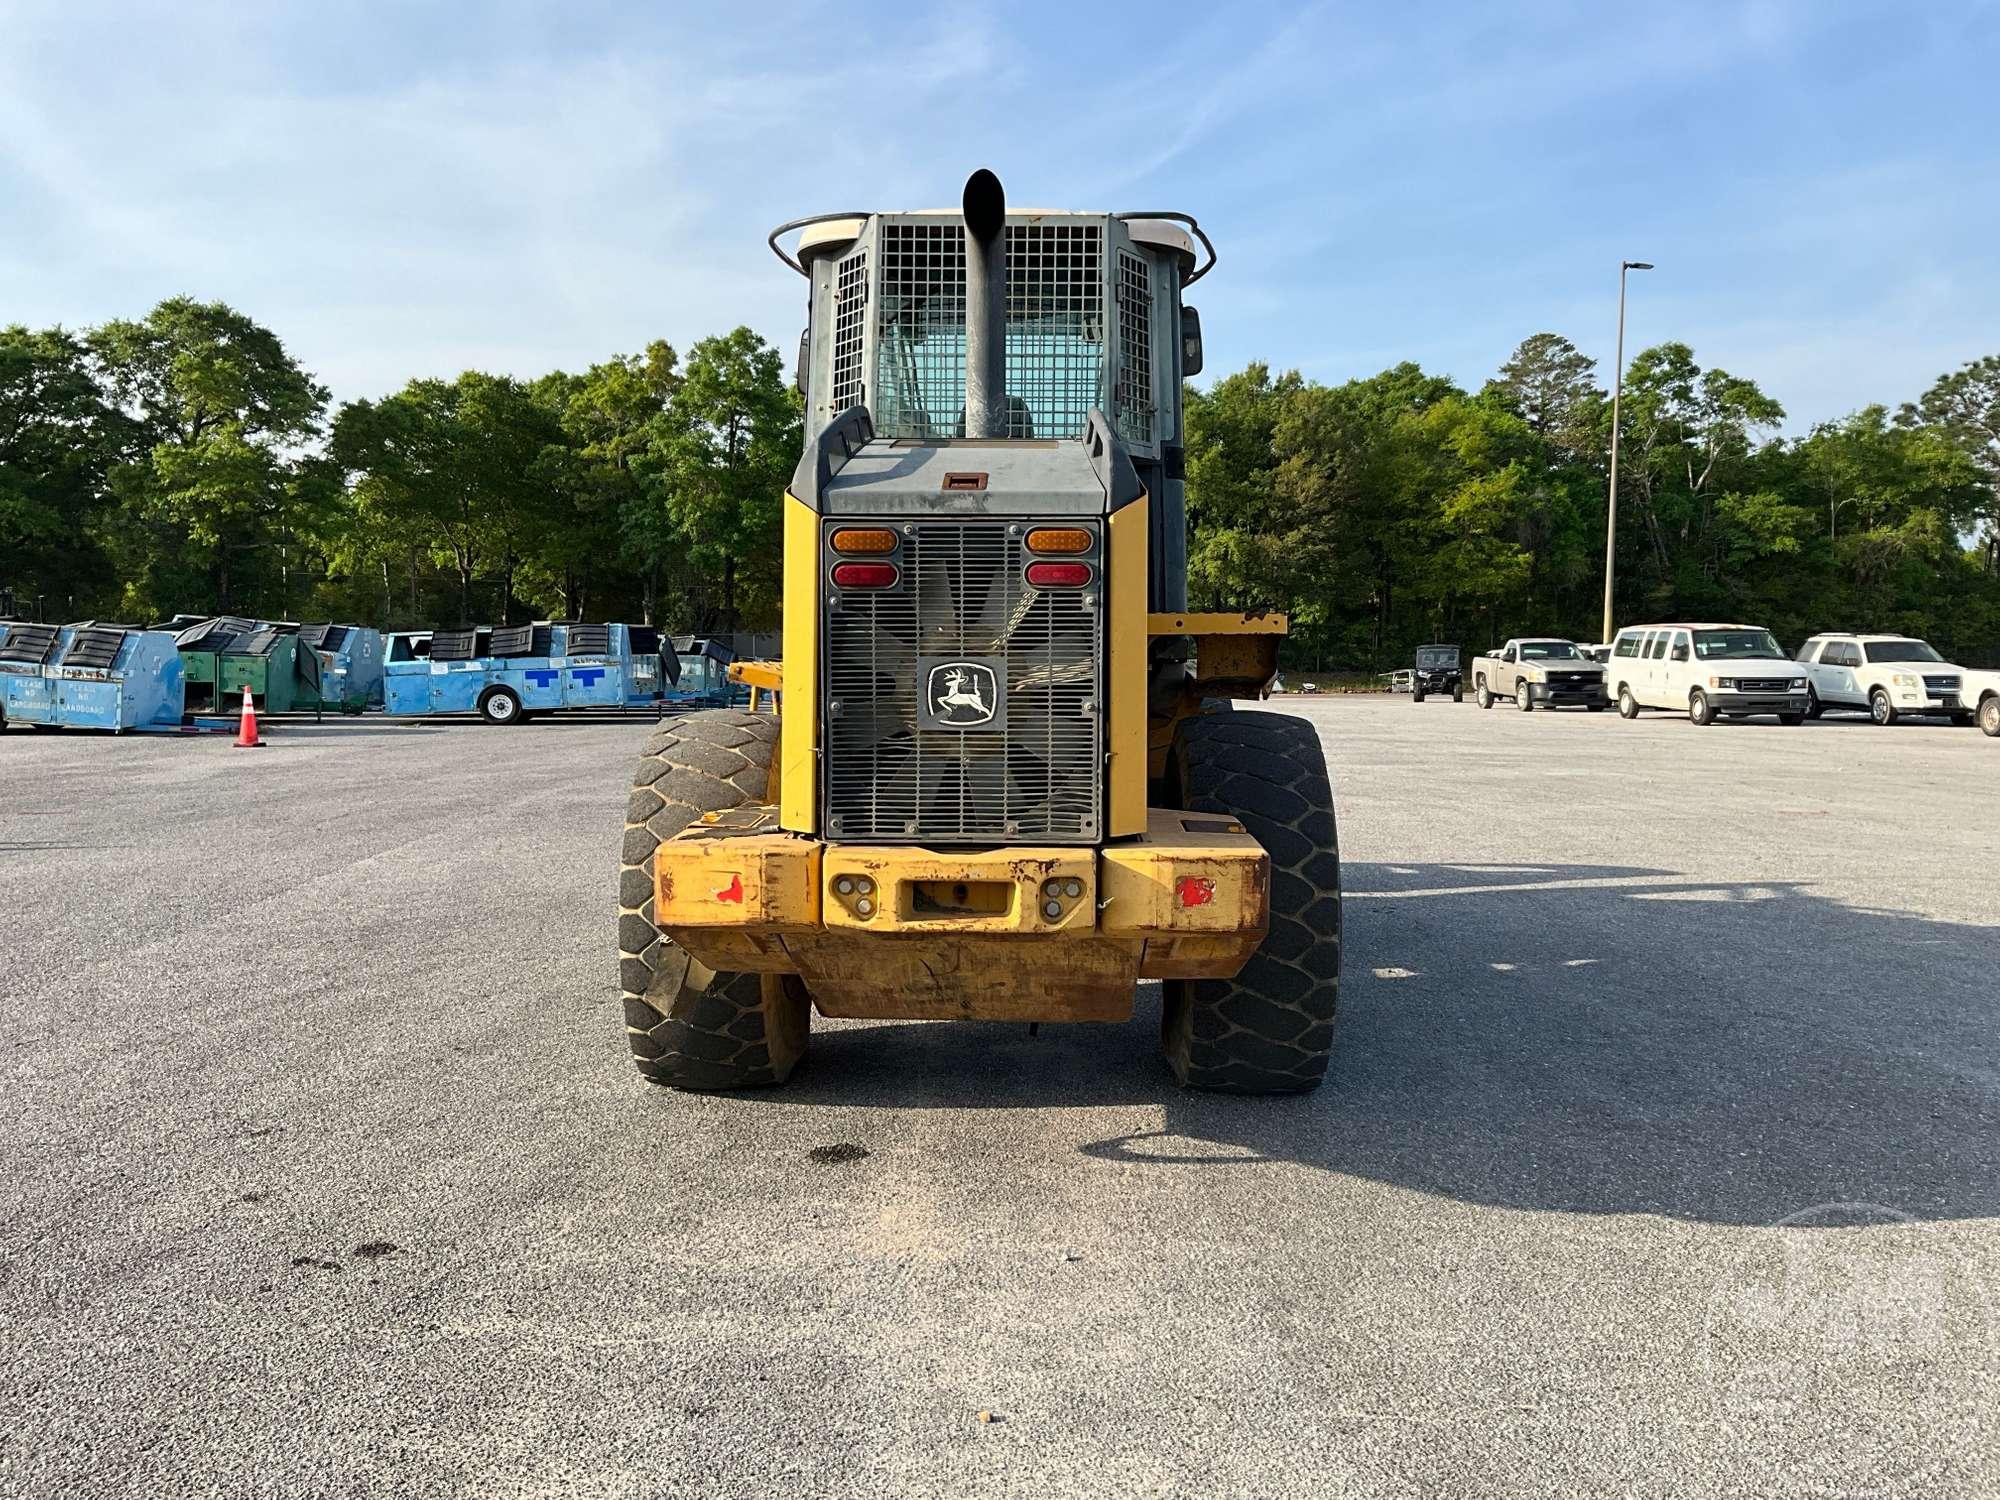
[1706,671]
[1888,675]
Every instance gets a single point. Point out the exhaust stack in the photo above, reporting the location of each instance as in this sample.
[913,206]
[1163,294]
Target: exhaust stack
[985,306]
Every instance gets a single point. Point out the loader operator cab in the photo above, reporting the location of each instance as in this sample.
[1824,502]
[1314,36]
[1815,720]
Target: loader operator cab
[1094,320]
[996,788]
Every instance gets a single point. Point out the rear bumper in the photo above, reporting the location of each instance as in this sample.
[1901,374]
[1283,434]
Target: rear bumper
[1001,934]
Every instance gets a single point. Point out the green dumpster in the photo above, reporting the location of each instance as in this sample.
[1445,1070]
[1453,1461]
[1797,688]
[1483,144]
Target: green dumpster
[266,661]
[201,642]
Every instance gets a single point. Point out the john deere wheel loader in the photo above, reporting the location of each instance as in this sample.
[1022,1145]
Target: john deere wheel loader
[998,786]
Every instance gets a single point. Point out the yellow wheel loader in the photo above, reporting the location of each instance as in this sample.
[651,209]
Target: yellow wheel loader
[1000,783]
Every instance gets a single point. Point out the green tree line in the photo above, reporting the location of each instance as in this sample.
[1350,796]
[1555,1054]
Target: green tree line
[184,461]
[1402,508]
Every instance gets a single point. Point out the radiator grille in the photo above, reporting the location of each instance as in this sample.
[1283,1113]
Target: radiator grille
[850,323]
[1034,773]
[1133,397]
[1055,329]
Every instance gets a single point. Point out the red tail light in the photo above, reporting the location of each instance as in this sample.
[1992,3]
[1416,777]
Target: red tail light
[1058,575]
[864,575]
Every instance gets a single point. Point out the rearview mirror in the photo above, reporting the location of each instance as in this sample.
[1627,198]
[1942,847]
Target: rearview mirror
[1190,341]
[1680,653]
[805,355]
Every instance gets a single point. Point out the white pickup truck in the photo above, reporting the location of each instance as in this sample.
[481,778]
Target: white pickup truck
[1539,672]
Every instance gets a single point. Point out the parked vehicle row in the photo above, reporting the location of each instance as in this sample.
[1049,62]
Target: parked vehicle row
[1711,671]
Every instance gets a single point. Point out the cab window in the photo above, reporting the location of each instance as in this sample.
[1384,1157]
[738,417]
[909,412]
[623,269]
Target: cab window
[1807,651]
[1680,645]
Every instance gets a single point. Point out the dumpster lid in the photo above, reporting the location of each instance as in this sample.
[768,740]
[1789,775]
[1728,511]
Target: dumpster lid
[588,640]
[453,645]
[211,633]
[29,644]
[95,645]
[697,645]
[324,637]
[523,640]
[258,642]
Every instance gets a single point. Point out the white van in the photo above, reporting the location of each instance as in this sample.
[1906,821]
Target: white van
[1889,675]
[1706,672]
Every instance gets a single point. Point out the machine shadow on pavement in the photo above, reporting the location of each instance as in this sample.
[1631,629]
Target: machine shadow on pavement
[1583,1039]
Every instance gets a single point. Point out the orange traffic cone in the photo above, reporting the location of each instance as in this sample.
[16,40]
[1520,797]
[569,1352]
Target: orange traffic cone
[246,735]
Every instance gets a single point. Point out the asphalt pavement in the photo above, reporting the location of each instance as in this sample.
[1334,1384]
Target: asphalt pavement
[1660,1155]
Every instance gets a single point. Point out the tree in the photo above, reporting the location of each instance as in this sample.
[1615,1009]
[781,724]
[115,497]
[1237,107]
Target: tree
[222,414]
[1690,433]
[60,437]
[462,468]
[730,441]
[1965,406]
[1551,385]
[615,419]
[1242,552]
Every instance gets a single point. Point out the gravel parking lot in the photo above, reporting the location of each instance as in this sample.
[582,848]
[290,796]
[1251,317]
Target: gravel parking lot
[1661,1153]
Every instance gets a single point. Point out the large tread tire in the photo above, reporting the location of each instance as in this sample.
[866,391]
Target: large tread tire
[690,1027]
[1270,1029]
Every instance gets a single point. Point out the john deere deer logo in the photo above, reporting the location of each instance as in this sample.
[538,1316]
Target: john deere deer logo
[963,695]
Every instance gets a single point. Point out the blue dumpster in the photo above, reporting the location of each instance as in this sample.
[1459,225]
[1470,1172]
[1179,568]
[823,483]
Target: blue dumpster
[349,658]
[92,675]
[27,691]
[703,679]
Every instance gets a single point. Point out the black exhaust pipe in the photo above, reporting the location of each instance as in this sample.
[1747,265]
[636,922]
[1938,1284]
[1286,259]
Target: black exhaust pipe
[985,306]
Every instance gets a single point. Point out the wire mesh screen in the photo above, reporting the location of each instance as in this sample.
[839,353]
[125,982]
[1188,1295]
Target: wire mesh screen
[1034,769]
[850,323]
[1055,328]
[1132,396]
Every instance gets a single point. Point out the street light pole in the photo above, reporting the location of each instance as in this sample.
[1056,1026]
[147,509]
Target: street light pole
[1617,392]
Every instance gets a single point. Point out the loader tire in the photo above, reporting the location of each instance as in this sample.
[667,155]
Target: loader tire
[1270,1029]
[690,1027]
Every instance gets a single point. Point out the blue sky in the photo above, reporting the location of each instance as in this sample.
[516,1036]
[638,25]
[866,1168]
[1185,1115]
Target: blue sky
[414,189]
